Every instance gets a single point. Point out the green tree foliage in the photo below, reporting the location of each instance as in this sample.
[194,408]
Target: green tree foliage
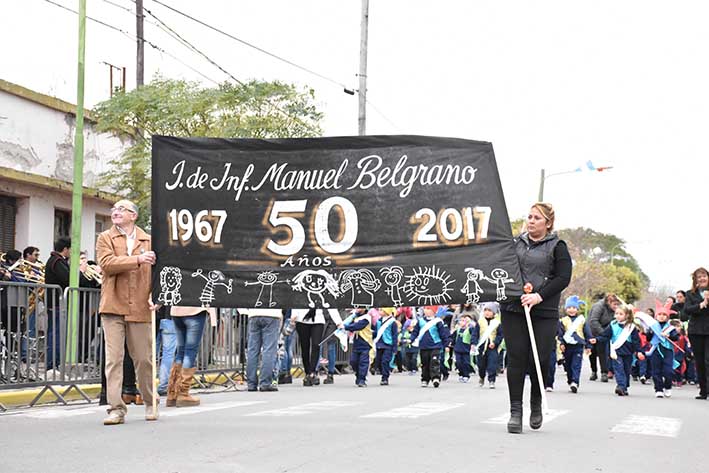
[179,108]
[602,265]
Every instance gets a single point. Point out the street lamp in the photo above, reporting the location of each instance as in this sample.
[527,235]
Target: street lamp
[613,252]
[544,176]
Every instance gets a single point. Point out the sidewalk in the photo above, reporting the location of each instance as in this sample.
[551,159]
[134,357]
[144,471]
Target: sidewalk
[22,397]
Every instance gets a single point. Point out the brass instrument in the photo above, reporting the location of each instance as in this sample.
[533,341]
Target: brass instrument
[31,272]
[93,272]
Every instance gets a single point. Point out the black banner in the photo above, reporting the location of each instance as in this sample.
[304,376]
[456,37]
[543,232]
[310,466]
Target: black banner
[329,222]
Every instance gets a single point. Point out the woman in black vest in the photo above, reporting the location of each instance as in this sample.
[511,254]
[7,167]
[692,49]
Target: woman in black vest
[546,264]
[697,307]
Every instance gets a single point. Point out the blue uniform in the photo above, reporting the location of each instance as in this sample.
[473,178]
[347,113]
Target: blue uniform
[386,346]
[488,357]
[464,340]
[361,346]
[573,348]
[662,359]
[623,363]
[430,345]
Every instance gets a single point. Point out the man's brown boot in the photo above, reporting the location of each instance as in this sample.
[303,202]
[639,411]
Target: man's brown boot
[173,384]
[183,395]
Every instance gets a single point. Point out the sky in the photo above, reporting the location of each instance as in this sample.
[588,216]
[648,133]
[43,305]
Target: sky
[552,84]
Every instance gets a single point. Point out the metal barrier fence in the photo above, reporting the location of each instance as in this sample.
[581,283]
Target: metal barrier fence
[51,338]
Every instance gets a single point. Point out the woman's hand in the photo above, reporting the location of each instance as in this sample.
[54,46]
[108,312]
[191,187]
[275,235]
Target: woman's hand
[592,341]
[531,299]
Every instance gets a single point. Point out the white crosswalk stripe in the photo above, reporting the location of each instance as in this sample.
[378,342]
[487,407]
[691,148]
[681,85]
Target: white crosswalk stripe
[549,416]
[303,409]
[649,425]
[206,408]
[61,413]
[414,411]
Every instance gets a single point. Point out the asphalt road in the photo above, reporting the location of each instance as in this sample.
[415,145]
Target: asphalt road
[397,428]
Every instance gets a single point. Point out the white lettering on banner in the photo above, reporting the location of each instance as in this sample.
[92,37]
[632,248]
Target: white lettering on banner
[349,226]
[200,225]
[281,178]
[301,179]
[197,179]
[451,224]
[372,172]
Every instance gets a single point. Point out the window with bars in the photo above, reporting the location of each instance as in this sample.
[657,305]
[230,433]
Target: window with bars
[8,211]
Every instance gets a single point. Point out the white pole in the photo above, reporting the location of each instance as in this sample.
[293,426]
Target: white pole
[362,116]
[535,354]
[152,347]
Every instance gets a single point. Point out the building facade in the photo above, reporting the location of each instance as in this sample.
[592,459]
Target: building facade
[36,172]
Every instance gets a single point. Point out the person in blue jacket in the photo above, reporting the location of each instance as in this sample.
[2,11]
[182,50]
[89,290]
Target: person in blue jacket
[489,342]
[573,332]
[430,334]
[466,338]
[662,353]
[624,343]
[386,342]
[362,346]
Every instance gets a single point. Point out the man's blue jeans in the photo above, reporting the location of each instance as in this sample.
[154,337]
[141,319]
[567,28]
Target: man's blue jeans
[188,331]
[263,340]
[287,360]
[166,339]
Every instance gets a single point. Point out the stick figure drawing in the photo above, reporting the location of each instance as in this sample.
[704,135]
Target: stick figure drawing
[316,282]
[472,288]
[170,283]
[266,279]
[392,278]
[363,284]
[213,278]
[499,277]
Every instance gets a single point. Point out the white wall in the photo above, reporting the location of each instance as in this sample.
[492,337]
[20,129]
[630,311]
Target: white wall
[40,140]
[34,222]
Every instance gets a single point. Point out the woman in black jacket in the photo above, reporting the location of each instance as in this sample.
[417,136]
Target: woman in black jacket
[697,307]
[546,264]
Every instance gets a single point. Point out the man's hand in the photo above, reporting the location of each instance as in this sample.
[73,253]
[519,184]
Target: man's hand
[146,258]
[592,341]
[152,306]
[491,346]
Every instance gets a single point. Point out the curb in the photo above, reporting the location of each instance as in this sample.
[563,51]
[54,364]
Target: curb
[22,397]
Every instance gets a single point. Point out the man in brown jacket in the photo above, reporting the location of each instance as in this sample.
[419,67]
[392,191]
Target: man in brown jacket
[125,256]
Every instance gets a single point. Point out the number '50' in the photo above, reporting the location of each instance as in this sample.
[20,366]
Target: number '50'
[348,225]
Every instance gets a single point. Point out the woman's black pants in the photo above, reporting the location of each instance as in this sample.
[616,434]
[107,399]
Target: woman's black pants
[310,336]
[520,360]
[700,347]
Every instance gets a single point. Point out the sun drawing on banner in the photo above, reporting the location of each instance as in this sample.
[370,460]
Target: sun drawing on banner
[428,286]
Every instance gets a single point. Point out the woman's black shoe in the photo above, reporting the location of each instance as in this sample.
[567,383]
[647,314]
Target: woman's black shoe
[514,426]
[535,416]
[701,396]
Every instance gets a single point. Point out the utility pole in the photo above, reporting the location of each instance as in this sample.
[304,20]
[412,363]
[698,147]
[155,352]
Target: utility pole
[77,194]
[541,188]
[140,59]
[362,121]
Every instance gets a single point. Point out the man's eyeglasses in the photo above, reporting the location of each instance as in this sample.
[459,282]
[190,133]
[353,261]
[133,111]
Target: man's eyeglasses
[121,209]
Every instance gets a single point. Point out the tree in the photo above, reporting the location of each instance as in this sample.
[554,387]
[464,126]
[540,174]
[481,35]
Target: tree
[597,268]
[179,108]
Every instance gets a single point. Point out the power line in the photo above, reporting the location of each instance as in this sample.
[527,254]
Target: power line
[192,47]
[133,37]
[253,46]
